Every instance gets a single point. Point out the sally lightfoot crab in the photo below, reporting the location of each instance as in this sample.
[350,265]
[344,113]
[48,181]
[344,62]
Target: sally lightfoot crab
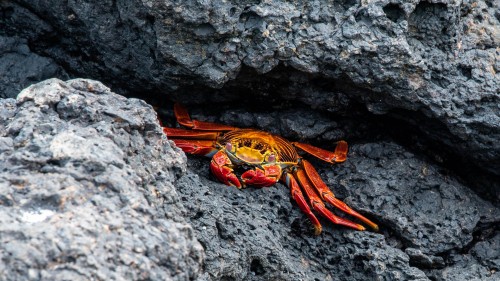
[267,158]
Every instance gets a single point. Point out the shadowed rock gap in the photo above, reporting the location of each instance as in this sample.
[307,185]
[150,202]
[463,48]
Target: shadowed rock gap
[276,93]
[354,123]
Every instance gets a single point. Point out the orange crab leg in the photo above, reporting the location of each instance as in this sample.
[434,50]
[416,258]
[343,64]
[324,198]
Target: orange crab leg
[318,205]
[196,147]
[190,134]
[327,195]
[183,118]
[339,155]
[222,168]
[193,142]
[301,201]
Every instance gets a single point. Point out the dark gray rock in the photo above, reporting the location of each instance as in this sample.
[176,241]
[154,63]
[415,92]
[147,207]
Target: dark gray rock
[427,73]
[486,251]
[435,60]
[20,67]
[426,217]
[481,263]
[86,189]
[91,189]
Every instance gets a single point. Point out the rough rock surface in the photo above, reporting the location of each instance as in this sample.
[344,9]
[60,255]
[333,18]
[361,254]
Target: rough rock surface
[86,189]
[436,60]
[91,189]
[432,226]
[425,73]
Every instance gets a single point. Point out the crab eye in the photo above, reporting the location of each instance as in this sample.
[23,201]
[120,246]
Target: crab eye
[229,146]
[271,158]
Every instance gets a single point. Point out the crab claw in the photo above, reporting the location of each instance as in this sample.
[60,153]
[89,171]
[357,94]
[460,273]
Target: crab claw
[221,169]
[267,176]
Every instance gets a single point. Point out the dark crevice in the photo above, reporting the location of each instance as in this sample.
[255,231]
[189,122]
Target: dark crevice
[426,263]
[279,93]
[482,232]
[394,12]
[256,267]
[466,71]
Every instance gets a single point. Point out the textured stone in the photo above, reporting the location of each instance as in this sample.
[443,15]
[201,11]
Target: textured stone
[85,176]
[424,214]
[428,218]
[413,86]
[432,60]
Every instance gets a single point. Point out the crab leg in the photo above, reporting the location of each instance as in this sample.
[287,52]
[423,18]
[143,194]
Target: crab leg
[183,118]
[222,168]
[327,195]
[190,134]
[318,204]
[339,155]
[301,201]
[193,142]
[196,147]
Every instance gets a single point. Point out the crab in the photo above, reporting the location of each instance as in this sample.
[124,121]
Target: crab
[267,158]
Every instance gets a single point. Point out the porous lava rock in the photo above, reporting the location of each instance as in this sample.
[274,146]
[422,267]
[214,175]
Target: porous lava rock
[91,188]
[432,225]
[86,189]
[413,86]
[434,61]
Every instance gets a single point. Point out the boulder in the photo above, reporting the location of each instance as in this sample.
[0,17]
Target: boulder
[86,189]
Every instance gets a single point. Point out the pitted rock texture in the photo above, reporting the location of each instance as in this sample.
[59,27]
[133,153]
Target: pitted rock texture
[86,189]
[433,65]
[433,226]
[428,220]
[435,60]
[91,189]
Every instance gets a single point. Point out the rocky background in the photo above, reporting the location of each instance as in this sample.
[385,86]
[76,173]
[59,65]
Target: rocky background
[91,189]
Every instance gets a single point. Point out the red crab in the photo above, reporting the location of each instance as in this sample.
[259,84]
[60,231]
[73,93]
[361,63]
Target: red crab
[270,157]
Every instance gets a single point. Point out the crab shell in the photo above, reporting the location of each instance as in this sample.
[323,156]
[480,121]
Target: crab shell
[268,154]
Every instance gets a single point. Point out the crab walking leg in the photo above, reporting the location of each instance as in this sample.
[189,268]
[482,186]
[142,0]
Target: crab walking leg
[301,201]
[190,134]
[327,195]
[182,115]
[183,118]
[193,142]
[196,147]
[222,168]
[339,155]
[318,205]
